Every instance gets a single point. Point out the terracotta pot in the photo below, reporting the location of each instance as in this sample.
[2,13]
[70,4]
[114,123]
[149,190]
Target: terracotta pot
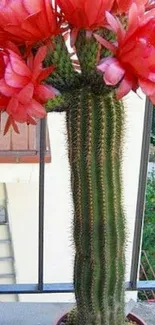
[131,317]
[61,319]
[136,319]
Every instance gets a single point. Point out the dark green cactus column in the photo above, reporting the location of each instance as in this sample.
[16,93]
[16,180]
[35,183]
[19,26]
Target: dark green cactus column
[95,125]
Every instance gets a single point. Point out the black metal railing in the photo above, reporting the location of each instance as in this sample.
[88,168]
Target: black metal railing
[141,194]
[133,284]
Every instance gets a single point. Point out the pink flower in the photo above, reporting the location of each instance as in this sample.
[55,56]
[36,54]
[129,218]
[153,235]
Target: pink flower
[133,61]
[22,91]
[28,21]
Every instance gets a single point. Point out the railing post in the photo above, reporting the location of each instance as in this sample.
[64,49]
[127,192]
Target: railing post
[41,204]
[141,193]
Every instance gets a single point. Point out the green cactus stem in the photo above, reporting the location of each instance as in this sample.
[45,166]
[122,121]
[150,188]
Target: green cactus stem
[95,126]
[95,121]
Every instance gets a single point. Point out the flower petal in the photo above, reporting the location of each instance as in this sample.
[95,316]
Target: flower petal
[5,89]
[40,56]
[92,9]
[45,92]
[35,109]
[13,79]
[115,25]
[148,87]
[133,19]
[3,102]
[108,45]
[105,63]
[73,36]
[113,74]
[37,64]
[10,122]
[125,86]
[26,94]
[12,106]
[45,73]
[33,6]
[19,66]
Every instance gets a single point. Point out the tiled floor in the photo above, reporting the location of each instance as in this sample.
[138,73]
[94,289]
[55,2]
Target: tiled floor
[146,311]
[49,313]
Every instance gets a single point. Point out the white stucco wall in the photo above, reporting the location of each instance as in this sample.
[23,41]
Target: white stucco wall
[23,203]
[135,108]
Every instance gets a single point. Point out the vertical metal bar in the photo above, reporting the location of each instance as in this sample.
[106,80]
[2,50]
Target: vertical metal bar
[37,144]
[28,137]
[6,203]
[141,193]
[41,205]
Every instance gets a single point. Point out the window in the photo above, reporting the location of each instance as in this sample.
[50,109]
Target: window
[23,147]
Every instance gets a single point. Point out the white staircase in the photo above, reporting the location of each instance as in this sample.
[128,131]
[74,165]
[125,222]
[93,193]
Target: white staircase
[7,269]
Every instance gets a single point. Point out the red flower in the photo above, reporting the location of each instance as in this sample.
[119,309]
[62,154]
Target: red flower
[133,63]
[22,92]
[84,14]
[29,21]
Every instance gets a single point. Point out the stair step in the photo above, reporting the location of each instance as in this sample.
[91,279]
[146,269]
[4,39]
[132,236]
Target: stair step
[7,275]
[6,258]
[8,298]
[4,231]
[6,266]
[5,249]
[3,241]
[7,281]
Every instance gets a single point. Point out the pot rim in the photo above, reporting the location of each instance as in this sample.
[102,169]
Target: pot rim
[133,317]
[61,318]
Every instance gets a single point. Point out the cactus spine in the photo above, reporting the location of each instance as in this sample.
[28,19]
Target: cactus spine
[95,125]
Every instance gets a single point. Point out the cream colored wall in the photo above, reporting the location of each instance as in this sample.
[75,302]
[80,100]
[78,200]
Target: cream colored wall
[132,153]
[23,203]
[19,173]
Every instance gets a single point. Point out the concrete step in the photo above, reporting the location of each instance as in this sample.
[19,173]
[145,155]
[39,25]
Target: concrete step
[6,265]
[2,193]
[7,281]
[5,249]
[10,258]
[7,298]
[4,232]
[2,241]
[6,276]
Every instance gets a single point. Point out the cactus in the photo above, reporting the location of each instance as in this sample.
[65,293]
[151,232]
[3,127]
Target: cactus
[94,126]
[95,122]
